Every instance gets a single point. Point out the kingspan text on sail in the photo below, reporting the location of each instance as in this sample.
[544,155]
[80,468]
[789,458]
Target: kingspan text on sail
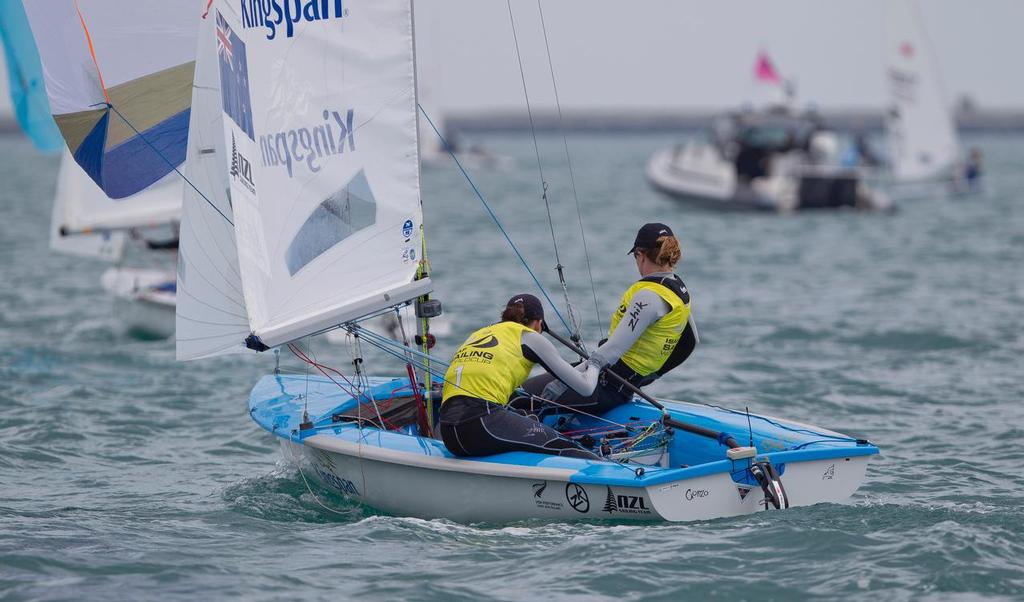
[272,14]
[309,144]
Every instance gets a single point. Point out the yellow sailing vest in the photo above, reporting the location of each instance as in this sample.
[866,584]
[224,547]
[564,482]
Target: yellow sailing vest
[489,365]
[649,353]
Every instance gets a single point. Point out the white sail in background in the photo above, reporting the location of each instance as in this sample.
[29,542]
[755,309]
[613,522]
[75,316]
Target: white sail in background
[922,136]
[73,186]
[211,317]
[320,148]
[85,207]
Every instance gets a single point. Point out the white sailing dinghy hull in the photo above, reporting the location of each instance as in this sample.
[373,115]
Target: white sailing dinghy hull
[468,491]
[144,299]
[407,475]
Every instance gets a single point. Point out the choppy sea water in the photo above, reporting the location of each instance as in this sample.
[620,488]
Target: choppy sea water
[126,475]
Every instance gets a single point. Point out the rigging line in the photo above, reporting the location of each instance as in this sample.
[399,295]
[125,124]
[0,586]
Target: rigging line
[370,335]
[497,222]
[574,332]
[572,174]
[389,347]
[400,357]
[166,160]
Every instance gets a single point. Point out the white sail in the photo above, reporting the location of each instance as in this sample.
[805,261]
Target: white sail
[84,207]
[320,148]
[211,317]
[922,136]
[72,186]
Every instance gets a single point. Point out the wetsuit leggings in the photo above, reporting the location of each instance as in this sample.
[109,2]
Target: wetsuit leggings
[475,427]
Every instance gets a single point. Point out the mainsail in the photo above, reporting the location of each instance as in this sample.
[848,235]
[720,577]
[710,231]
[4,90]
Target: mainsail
[25,79]
[319,164]
[922,136]
[118,78]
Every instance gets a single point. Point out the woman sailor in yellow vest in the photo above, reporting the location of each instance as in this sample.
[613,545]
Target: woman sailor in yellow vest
[485,371]
[651,331]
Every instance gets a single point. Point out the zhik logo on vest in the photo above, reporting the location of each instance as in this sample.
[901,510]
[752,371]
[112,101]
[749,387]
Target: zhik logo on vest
[273,14]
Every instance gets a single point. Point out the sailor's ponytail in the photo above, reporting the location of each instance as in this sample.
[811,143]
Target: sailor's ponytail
[515,312]
[666,251]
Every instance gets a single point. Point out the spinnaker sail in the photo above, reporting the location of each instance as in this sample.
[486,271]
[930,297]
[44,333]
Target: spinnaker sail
[922,136]
[319,154]
[119,82]
[25,79]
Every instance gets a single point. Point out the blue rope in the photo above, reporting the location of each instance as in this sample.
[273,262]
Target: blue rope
[497,222]
[161,155]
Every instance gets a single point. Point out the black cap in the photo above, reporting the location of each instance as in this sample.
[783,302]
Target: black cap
[648,236]
[533,310]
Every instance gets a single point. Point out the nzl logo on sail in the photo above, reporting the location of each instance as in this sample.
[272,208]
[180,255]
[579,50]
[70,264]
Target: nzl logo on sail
[272,14]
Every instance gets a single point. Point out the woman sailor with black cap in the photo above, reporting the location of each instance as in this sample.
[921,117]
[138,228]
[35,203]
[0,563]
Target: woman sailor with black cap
[487,369]
[651,331]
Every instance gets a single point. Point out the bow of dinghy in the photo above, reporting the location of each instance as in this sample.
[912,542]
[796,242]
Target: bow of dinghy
[340,442]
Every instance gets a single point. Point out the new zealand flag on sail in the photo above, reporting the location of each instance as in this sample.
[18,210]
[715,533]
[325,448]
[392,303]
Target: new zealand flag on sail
[234,76]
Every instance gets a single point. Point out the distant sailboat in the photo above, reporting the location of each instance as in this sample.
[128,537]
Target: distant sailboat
[923,141]
[88,223]
[123,115]
[278,246]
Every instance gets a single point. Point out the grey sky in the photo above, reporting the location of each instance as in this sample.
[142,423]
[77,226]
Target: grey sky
[664,54]
[668,54]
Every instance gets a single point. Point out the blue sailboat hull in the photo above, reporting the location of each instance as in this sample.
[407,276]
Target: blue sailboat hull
[405,474]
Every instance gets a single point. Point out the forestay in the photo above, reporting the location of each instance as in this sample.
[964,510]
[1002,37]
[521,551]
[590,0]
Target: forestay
[136,56]
[922,135]
[320,152]
[25,79]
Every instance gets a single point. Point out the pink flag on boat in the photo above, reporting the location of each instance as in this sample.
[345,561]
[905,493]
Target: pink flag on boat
[764,70]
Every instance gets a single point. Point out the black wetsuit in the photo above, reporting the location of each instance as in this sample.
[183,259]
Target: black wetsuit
[474,427]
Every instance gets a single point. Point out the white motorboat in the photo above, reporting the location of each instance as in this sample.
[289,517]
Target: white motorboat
[770,161]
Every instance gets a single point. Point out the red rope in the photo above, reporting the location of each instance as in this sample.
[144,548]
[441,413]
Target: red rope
[353,393]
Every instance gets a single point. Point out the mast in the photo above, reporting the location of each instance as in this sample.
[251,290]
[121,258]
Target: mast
[423,337]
